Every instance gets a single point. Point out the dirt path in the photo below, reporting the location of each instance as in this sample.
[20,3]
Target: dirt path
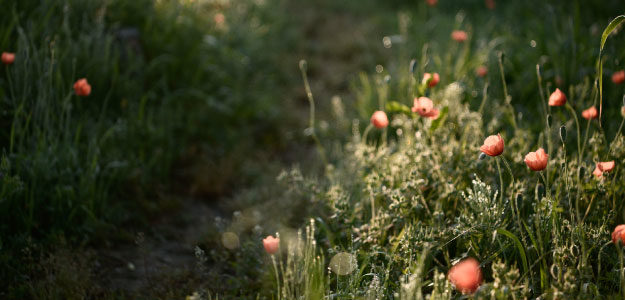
[337,45]
[167,250]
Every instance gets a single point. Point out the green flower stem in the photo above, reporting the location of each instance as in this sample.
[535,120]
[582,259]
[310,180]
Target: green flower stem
[275,269]
[500,181]
[311,120]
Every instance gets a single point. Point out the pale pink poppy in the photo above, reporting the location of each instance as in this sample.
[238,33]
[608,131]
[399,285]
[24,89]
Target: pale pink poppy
[606,167]
[425,108]
[537,161]
[493,145]
[271,244]
[466,275]
[597,172]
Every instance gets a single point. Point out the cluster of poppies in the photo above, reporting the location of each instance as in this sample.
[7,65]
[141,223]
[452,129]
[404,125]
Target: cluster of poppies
[81,86]
[421,105]
[537,160]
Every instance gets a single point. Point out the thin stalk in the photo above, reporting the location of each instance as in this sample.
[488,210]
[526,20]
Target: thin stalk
[540,89]
[515,206]
[508,99]
[275,269]
[484,98]
[621,270]
[311,120]
[366,133]
[500,181]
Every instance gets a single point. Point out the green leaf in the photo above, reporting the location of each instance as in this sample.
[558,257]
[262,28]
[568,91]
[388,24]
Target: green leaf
[396,107]
[518,245]
[440,120]
[617,21]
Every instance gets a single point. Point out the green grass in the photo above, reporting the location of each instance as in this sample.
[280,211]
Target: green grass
[171,88]
[183,106]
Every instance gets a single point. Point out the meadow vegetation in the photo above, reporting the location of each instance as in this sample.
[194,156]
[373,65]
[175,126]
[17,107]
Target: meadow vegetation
[393,186]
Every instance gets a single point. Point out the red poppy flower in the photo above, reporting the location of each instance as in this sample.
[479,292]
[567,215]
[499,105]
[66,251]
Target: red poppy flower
[481,71]
[493,145]
[379,119]
[618,77]
[459,36]
[557,98]
[537,161]
[466,275]
[590,113]
[425,108]
[8,58]
[435,78]
[618,235]
[82,87]
[271,244]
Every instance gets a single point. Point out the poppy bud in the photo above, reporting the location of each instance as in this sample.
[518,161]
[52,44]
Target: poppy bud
[549,119]
[387,79]
[303,65]
[413,66]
